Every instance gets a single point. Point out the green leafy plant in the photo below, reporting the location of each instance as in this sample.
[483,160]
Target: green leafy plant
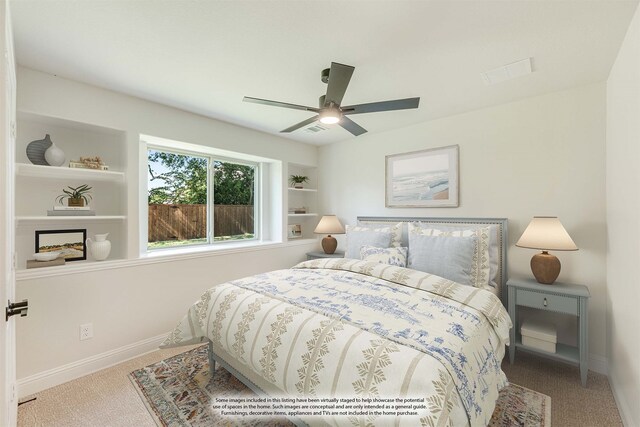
[182,179]
[298,179]
[78,193]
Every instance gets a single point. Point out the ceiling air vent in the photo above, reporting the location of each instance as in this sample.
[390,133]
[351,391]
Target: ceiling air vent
[315,129]
[507,72]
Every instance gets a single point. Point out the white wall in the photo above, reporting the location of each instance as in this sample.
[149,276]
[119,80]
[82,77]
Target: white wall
[623,225]
[538,156]
[135,302]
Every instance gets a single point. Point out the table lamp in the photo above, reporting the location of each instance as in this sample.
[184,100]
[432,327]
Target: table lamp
[329,224]
[546,233]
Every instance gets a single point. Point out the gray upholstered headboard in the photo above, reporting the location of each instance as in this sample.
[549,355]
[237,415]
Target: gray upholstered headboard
[501,236]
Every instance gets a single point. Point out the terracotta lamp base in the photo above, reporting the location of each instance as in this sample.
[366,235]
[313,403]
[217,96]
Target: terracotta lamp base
[329,244]
[545,267]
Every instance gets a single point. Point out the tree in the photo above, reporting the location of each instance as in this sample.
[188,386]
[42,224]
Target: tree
[182,179]
[232,183]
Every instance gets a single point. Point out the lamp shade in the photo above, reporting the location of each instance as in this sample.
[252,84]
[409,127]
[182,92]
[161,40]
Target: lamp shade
[329,224]
[547,234]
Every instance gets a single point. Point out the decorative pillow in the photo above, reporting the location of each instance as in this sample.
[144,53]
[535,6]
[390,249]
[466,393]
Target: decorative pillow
[494,245]
[358,237]
[480,261]
[444,256]
[391,256]
[396,230]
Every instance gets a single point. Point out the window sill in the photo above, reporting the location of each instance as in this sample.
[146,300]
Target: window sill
[159,256]
[209,249]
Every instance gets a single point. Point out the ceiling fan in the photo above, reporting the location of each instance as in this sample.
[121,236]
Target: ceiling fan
[330,110]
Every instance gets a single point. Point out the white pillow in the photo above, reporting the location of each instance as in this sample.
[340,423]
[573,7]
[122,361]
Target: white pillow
[391,256]
[480,261]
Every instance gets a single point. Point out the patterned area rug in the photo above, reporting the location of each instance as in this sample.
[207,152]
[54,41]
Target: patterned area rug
[177,392]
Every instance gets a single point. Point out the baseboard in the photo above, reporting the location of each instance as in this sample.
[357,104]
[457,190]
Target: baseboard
[53,377]
[621,402]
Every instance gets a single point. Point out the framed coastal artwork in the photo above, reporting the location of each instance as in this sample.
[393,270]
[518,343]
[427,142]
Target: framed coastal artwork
[70,242]
[422,179]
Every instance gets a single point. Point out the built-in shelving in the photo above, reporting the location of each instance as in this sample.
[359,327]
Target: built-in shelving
[74,218]
[37,187]
[305,199]
[52,172]
[313,190]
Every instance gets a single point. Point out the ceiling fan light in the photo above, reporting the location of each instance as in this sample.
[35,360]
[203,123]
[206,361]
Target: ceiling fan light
[329,117]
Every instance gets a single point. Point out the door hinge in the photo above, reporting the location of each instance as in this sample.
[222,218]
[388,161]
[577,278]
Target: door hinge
[13,130]
[14,308]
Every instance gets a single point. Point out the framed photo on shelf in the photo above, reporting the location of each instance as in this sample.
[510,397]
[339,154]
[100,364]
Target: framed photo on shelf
[70,242]
[422,179]
[294,231]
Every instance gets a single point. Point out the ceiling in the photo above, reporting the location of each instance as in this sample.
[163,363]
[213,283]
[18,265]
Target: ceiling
[204,56]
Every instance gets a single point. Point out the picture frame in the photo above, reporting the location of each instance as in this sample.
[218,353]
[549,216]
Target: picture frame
[422,179]
[72,243]
[294,231]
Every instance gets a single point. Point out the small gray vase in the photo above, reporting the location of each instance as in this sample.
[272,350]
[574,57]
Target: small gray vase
[36,150]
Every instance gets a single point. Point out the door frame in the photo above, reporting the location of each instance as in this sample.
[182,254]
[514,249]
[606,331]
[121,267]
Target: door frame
[8,395]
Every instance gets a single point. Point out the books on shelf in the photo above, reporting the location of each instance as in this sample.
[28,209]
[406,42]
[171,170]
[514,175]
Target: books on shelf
[32,263]
[72,212]
[88,165]
[71,208]
[301,210]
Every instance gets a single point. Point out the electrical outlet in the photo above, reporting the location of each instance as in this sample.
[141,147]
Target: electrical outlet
[86,331]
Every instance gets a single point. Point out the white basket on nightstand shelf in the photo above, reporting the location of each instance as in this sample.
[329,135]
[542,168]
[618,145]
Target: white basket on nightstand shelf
[539,335]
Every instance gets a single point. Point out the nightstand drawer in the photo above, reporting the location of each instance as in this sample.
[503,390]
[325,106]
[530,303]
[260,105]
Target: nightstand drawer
[549,302]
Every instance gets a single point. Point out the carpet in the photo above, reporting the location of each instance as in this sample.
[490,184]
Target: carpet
[177,392]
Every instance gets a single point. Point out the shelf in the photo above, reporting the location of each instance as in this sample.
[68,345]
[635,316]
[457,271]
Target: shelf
[301,215]
[564,352]
[44,218]
[311,190]
[38,171]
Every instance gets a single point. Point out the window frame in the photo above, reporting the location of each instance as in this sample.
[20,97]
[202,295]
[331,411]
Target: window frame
[187,149]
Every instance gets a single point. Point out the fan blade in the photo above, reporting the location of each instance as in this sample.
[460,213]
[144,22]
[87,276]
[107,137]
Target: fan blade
[339,78]
[397,104]
[279,104]
[352,126]
[299,125]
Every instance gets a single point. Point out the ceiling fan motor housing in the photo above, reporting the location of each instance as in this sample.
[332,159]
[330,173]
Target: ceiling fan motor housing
[324,75]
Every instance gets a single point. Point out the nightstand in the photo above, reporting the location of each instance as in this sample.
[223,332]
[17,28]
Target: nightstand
[321,254]
[559,298]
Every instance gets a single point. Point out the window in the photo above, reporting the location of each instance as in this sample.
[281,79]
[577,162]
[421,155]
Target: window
[197,198]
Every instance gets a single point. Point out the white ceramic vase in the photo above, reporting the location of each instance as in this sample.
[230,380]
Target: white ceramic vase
[54,155]
[100,247]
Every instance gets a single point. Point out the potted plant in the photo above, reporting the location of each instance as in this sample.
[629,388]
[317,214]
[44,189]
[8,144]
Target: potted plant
[297,181]
[75,196]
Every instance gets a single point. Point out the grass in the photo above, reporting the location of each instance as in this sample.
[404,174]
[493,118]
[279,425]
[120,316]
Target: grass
[192,242]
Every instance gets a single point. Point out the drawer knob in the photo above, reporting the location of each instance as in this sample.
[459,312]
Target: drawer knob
[545,302]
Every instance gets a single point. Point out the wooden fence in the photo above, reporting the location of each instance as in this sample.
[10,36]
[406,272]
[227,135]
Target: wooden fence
[185,222]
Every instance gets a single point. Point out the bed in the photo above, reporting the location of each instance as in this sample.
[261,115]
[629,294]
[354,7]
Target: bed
[344,328]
